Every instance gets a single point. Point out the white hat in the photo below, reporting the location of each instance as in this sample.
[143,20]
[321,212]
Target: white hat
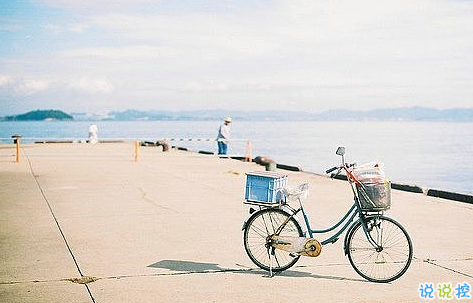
[228,119]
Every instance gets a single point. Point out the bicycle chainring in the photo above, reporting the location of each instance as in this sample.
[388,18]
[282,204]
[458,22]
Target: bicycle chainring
[312,248]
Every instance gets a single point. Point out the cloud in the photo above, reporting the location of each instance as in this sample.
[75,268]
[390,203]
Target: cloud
[77,27]
[211,87]
[23,86]
[91,85]
[5,80]
[93,5]
[339,38]
[314,54]
[7,25]
[29,87]
[141,52]
[54,29]
[61,29]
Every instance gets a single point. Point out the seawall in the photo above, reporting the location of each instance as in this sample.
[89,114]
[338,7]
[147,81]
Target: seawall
[460,197]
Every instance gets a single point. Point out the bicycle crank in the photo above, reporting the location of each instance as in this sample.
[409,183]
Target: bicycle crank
[308,247]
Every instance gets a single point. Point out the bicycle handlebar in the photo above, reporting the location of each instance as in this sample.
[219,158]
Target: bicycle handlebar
[331,170]
[328,171]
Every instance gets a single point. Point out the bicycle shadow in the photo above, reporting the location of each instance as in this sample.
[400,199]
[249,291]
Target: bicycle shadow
[187,267]
[303,274]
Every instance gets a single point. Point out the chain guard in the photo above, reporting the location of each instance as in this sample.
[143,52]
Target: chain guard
[308,247]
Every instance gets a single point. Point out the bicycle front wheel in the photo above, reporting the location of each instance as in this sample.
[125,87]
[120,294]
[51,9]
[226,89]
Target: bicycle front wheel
[259,227]
[390,259]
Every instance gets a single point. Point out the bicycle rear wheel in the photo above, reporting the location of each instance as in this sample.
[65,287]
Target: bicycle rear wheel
[386,263]
[259,227]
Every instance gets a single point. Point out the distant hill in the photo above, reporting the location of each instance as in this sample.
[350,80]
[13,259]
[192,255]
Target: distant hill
[388,114]
[385,114]
[40,115]
[399,114]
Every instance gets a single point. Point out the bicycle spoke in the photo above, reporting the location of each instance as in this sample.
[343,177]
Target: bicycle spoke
[260,226]
[393,257]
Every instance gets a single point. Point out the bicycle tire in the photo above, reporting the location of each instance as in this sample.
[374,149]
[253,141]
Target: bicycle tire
[259,227]
[388,264]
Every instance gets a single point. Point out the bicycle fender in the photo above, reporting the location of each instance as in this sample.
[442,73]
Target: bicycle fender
[347,236]
[244,225]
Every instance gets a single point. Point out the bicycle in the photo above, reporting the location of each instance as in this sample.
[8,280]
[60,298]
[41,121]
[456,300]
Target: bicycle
[378,247]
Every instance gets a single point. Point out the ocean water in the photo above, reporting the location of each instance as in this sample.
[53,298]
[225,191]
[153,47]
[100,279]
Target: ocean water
[428,154]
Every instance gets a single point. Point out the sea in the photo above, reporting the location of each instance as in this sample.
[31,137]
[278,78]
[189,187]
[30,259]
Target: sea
[435,155]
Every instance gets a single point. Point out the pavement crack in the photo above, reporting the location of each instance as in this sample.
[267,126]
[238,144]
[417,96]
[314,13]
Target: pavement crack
[181,273]
[90,279]
[80,280]
[145,198]
[43,194]
[83,280]
[433,262]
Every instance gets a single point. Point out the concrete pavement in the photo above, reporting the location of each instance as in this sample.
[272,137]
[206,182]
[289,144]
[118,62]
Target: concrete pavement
[85,223]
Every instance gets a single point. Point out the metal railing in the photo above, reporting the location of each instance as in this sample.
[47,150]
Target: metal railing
[242,144]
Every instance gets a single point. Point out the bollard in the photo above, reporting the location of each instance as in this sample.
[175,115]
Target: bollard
[164,144]
[270,166]
[16,141]
[267,162]
[137,146]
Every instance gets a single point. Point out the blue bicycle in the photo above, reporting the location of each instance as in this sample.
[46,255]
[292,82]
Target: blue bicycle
[378,247]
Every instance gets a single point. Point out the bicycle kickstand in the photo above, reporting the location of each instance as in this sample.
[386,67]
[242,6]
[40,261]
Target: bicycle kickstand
[270,263]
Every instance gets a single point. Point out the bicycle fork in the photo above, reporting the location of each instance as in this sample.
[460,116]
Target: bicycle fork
[368,226]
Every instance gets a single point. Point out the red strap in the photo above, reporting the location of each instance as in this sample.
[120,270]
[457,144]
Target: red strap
[352,177]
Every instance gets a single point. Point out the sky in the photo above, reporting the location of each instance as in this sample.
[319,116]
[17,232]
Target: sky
[300,55]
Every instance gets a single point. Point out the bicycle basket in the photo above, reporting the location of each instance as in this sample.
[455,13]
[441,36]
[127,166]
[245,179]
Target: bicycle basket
[374,196]
[293,193]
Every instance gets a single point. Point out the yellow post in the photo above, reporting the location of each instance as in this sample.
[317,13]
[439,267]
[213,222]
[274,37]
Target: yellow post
[248,151]
[16,140]
[137,144]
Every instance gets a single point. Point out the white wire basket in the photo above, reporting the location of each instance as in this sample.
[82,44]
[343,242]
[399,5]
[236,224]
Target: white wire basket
[300,191]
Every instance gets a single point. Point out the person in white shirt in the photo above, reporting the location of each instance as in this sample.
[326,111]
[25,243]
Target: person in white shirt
[93,131]
[224,136]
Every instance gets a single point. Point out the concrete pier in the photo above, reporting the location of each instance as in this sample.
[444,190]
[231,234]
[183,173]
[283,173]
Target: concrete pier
[86,223]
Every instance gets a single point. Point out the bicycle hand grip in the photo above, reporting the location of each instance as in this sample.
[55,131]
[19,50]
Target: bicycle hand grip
[331,170]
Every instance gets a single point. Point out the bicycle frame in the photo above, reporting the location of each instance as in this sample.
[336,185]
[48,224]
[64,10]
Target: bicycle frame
[351,214]
[282,232]
[349,217]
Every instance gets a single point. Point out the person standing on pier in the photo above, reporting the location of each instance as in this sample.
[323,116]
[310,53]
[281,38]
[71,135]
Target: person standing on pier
[93,131]
[224,136]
